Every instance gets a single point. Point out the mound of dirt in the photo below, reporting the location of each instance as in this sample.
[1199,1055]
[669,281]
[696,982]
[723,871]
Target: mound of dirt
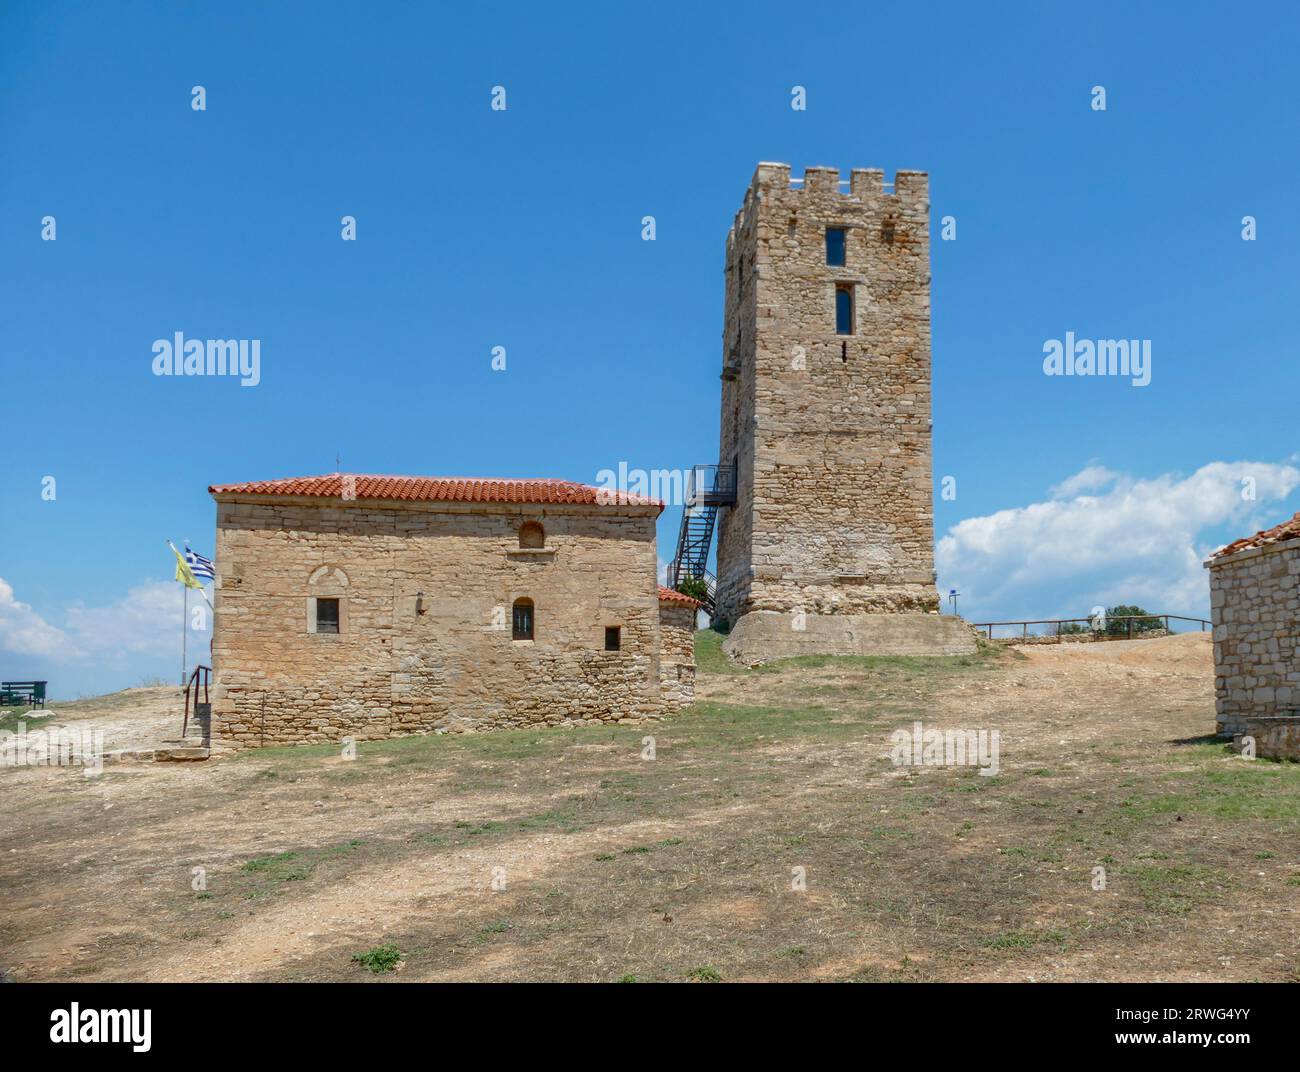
[129,719]
[1186,651]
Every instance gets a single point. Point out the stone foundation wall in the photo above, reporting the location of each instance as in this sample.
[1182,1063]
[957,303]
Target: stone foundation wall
[1255,607]
[677,654]
[762,636]
[425,642]
[1276,737]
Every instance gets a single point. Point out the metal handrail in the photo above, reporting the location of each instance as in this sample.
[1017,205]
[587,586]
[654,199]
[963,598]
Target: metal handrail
[193,683]
[1129,618]
[710,481]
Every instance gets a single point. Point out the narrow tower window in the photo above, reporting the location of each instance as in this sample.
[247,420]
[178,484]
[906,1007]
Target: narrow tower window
[612,638]
[844,309]
[835,246]
[522,624]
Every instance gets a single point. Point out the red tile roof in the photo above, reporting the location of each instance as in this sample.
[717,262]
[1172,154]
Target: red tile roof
[671,595]
[435,489]
[1288,530]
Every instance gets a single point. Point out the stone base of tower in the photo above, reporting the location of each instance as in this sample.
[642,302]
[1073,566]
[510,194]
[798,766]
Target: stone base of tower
[761,636]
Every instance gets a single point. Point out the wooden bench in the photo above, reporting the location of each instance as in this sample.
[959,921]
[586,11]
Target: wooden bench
[22,693]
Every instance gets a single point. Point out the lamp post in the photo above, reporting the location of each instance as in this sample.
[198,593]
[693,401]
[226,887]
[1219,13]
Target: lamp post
[952,599]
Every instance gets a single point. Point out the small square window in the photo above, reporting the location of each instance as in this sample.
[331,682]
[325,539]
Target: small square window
[835,246]
[612,637]
[844,310]
[327,615]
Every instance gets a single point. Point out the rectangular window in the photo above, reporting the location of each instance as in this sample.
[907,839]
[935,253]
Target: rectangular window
[611,638]
[522,624]
[327,615]
[835,246]
[844,310]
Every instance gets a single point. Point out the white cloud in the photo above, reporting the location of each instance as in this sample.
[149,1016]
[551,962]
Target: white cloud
[1137,541]
[144,622]
[22,630]
[1091,478]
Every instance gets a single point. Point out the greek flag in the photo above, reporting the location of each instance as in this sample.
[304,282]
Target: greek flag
[201,567]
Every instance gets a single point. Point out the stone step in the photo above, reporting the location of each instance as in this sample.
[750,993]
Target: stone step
[129,755]
[183,753]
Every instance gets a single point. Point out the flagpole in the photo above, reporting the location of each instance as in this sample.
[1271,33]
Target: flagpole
[184,574]
[185,615]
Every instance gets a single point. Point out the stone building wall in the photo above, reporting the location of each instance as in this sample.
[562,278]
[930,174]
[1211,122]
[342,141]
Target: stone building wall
[677,651]
[831,433]
[453,664]
[1255,607]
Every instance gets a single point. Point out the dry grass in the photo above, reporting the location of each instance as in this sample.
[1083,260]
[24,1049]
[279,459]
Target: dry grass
[679,868]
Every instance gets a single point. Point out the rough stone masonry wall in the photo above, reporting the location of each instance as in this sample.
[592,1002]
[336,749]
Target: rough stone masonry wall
[677,654]
[831,433]
[1255,607]
[391,671]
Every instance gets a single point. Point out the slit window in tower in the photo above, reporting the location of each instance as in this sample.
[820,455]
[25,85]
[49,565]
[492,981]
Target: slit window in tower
[835,246]
[844,310]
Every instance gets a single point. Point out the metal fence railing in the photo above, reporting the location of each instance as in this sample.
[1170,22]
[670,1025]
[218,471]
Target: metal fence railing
[1120,627]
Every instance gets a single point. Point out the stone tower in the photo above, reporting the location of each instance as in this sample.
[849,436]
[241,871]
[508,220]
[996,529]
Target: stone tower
[829,545]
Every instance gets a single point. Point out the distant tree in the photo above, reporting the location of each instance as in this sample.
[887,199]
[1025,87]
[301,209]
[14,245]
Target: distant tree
[1142,623]
[1072,628]
[695,587]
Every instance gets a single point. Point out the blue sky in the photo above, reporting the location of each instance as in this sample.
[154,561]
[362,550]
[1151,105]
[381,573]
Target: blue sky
[478,228]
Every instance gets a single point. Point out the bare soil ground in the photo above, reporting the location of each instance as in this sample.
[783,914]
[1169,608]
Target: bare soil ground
[564,854]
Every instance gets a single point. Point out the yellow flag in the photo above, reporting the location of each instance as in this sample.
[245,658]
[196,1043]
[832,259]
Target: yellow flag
[183,572]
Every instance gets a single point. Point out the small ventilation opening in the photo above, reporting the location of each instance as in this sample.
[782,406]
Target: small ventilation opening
[612,638]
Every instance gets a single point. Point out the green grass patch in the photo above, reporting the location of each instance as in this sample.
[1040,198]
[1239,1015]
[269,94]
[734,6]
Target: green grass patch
[1175,891]
[277,868]
[13,717]
[280,867]
[485,932]
[1228,789]
[1025,939]
[383,958]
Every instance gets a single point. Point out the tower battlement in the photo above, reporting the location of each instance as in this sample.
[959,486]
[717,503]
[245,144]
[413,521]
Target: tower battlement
[910,188]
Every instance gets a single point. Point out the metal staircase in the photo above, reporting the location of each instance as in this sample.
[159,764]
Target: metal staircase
[708,487]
